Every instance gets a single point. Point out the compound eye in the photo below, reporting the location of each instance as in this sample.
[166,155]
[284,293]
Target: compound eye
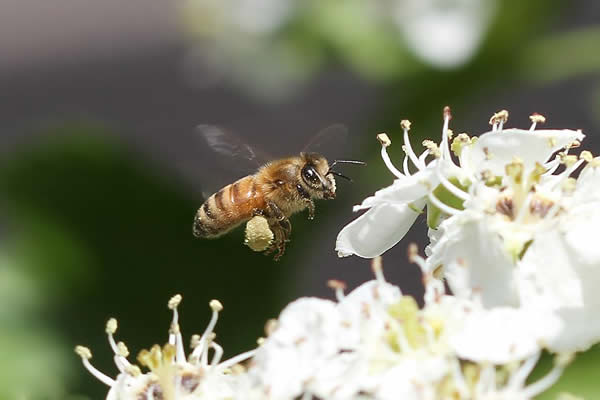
[310,175]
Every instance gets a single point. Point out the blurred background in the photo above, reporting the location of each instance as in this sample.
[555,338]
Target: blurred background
[101,172]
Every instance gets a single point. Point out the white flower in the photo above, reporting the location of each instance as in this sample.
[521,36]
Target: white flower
[171,375]
[444,34]
[528,244]
[393,210]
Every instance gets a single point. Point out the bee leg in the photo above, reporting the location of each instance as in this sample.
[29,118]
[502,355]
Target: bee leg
[310,204]
[281,227]
[278,245]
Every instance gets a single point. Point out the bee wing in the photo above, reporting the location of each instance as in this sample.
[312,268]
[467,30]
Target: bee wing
[234,156]
[329,142]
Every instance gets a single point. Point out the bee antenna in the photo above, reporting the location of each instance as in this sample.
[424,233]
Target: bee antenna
[346,162]
[339,174]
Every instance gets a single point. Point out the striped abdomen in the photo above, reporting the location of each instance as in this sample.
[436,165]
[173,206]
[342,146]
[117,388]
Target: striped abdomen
[228,208]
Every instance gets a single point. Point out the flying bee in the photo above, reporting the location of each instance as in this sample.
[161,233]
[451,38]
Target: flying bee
[278,189]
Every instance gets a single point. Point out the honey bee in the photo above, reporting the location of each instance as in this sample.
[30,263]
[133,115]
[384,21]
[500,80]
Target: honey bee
[278,189]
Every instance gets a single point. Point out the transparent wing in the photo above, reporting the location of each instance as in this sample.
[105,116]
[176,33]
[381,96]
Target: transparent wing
[329,142]
[230,157]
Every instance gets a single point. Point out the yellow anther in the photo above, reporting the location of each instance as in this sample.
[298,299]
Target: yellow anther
[413,252]
[168,352]
[384,139]
[174,301]
[537,118]
[215,305]
[133,370]
[271,326]
[500,116]
[123,351]
[433,148]
[111,326]
[83,352]
[586,155]
[195,341]
[405,124]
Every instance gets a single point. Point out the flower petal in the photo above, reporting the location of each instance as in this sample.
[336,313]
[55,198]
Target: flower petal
[493,150]
[377,230]
[474,260]
[502,334]
[405,190]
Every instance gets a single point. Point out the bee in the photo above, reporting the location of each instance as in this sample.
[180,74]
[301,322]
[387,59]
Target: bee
[279,189]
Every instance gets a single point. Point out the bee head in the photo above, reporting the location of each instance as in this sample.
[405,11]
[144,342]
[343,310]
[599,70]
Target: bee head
[315,178]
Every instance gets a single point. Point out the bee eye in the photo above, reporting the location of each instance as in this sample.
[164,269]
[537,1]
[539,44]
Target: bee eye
[310,175]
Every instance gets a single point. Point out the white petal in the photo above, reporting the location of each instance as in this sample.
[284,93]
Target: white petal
[377,230]
[405,190]
[502,334]
[493,150]
[474,261]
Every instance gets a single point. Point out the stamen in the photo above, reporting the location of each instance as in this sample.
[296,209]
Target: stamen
[567,172]
[405,163]
[458,192]
[338,286]
[377,267]
[236,360]
[433,148]
[175,338]
[423,156]
[111,328]
[438,203]
[548,380]
[518,378]
[218,354]
[525,207]
[216,306]
[385,142]
[85,355]
[270,326]
[445,146]
[498,120]
[459,379]
[415,258]
[536,119]
[119,349]
[405,124]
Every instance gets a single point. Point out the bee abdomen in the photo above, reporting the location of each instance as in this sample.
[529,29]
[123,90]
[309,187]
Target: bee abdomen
[225,209]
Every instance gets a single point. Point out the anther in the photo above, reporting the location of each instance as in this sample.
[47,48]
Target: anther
[405,124]
[174,301]
[447,113]
[111,326]
[83,352]
[384,139]
[270,326]
[377,267]
[499,118]
[123,351]
[433,148]
[586,155]
[338,286]
[215,305]
[537,118]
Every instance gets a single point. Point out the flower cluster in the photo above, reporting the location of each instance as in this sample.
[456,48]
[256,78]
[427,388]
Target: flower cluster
[510,234]
[510,226]
[373,343]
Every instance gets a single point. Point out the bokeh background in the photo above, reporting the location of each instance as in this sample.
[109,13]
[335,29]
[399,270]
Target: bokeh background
[101,172]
